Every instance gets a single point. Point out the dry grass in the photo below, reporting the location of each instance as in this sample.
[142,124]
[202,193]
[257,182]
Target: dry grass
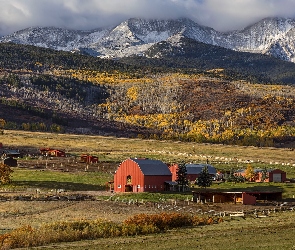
[118,149]
[271,233]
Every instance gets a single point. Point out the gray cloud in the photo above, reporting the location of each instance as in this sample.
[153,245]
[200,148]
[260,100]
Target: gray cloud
[222,15]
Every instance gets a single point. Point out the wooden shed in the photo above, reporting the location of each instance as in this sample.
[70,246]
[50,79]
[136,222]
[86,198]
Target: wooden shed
[89,158]
[52,152]
[141,175]
[11,162]
[244,197]
[277,175]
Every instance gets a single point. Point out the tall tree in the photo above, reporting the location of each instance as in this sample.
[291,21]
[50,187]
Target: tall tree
[204,180]
[181,176]
[250,173]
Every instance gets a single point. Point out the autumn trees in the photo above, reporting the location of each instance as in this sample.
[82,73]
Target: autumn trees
[5,174]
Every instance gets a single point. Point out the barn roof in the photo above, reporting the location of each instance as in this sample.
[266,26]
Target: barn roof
[11,152]
[152,167]
[197,168]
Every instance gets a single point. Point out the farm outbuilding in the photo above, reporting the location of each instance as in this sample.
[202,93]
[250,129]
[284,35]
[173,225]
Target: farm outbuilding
[11,162]
[277,175]
[11,153]
[193,171]
[52,152]
[244,197]
[141,175]
[271,175]
[89,158]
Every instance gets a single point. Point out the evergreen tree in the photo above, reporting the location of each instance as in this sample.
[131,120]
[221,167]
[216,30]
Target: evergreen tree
[204,179]
[182,176]
[264,174]
[231,177]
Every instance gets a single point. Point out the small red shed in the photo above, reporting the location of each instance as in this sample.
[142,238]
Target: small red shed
[89,158]
[277,175]
[52,152]
[57,153]
[141,175]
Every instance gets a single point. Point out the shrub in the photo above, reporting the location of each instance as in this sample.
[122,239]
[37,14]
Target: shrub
[66,231]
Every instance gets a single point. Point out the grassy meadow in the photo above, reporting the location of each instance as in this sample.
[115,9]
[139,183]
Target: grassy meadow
[118,149]
[272,232]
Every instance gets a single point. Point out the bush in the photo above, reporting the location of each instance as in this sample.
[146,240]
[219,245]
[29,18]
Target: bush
[141,224]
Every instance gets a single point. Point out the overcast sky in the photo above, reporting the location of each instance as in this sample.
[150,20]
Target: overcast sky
[222,15]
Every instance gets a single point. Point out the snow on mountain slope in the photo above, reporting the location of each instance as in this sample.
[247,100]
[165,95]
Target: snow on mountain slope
[49,37]
[272,36]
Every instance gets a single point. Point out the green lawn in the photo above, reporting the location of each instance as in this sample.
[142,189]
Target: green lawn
[47,180]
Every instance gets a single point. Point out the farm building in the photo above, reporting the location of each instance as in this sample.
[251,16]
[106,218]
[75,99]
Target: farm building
[271,175]
[52,152]
[142,175]
[11,153]
[244,197]
[11,162]
[89,158]
[193,171]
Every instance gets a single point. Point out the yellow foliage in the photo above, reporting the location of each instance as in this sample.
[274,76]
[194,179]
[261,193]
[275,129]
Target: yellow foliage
[5,173]
[132,93]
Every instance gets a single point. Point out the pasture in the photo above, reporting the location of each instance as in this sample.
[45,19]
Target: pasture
[31,197]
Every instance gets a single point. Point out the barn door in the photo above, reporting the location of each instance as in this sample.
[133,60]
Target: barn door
[277,177]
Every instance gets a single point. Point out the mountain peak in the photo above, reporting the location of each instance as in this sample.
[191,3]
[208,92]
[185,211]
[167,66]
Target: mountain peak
[272,36]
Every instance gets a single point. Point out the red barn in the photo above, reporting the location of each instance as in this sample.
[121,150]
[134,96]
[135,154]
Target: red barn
[192,171]
[141,175]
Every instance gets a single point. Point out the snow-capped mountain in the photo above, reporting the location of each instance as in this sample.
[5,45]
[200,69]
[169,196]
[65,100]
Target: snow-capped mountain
[272,36]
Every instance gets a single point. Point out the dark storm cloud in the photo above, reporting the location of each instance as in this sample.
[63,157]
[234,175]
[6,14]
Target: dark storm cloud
[89,14]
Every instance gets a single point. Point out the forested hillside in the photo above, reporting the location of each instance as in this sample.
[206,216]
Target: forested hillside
[46,90]
[188,54]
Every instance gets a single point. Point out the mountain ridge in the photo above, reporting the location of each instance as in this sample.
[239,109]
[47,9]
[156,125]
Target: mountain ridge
[270,36]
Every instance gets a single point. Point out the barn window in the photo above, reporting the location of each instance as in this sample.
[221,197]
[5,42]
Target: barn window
[138,186]
[149,186]
[129,179]
[119,186]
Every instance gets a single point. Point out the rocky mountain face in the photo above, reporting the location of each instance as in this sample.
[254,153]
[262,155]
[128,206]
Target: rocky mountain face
[271,36]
